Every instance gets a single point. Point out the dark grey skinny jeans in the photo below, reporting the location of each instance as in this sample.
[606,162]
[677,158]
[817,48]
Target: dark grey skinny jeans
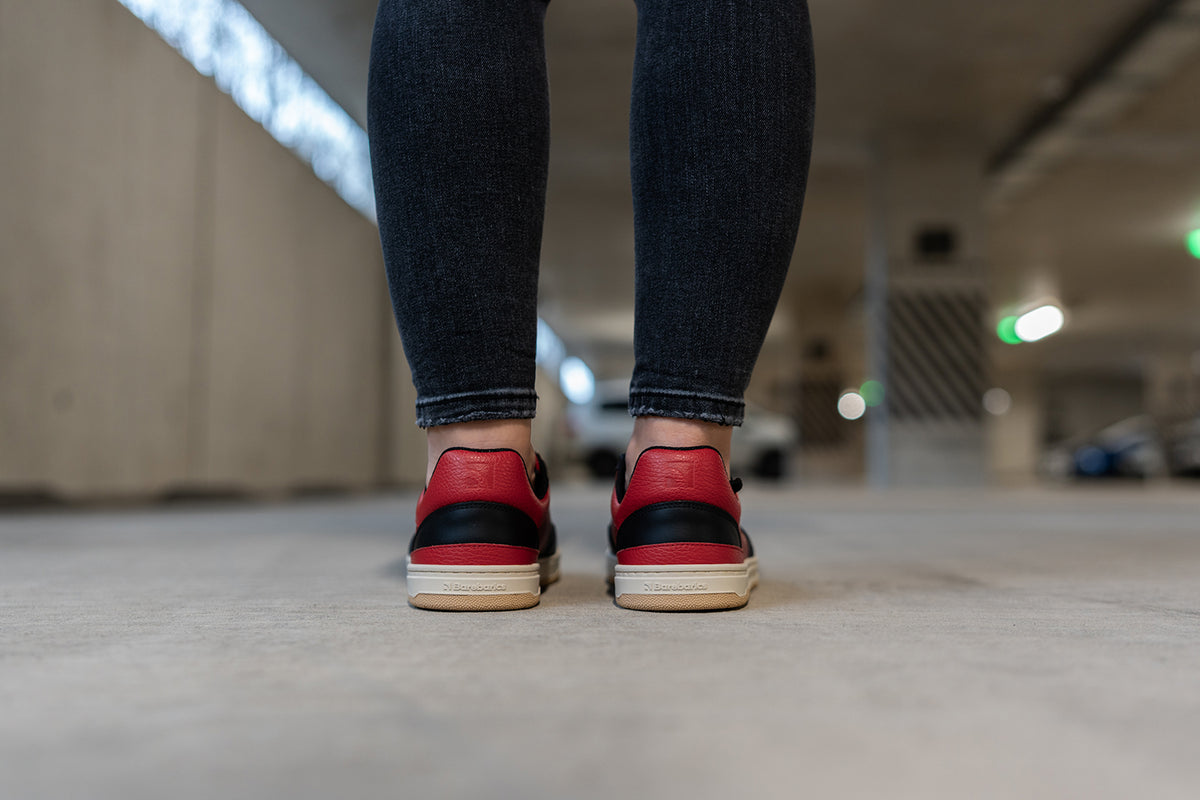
[721,125]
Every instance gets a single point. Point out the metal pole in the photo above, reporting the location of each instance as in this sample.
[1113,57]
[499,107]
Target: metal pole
[875,298]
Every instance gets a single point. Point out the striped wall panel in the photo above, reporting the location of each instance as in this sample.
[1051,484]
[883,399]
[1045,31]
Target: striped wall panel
[937,361]
[820,424]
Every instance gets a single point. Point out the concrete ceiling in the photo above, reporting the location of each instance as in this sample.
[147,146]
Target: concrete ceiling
[1104,232]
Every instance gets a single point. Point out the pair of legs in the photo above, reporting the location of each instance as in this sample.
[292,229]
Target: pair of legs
[720,138]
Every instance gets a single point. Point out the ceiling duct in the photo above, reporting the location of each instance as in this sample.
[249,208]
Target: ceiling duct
[1138,60]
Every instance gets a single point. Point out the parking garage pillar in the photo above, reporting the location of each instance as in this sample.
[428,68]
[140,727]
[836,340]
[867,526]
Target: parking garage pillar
[1173,387]
[926,303]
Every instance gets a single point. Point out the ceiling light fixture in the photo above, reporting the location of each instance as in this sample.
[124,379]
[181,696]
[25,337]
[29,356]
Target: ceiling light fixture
[576,380]
[1039,323]
[221,39]
[851,405]
[997,401]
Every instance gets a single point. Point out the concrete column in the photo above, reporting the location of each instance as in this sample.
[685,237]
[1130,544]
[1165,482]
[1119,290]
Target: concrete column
[925,318]
[1015,436]
[875,302]
[1173,386]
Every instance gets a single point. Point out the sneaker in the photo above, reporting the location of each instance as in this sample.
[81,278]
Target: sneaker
[675,542]
[484,539]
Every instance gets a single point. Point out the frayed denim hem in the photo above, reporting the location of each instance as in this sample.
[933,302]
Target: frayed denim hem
[686,405]
[474,406]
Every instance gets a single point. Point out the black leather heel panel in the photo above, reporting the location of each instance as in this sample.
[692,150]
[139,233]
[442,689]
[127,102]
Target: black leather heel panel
[476,522]
[678,521]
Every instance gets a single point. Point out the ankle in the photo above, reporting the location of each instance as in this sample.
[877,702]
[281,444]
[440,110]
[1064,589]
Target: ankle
[672,432]
[491,434]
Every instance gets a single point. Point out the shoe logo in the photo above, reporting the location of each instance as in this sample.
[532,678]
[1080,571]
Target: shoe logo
[474,587]
[680,474]
[659,588]
[479,476]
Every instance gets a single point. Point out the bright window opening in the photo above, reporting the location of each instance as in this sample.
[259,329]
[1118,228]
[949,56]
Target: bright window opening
[222,40]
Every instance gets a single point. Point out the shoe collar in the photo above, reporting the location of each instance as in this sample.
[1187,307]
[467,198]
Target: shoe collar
[622,485]
[541,478]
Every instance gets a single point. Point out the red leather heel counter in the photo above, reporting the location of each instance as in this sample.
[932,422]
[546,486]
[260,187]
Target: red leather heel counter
[489,476]
[480,555]
[663,475]
[680,553]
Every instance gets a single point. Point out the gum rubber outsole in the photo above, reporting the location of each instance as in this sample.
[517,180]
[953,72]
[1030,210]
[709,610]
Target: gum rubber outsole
[683,602]
[468,602]
[491,588]
[671,587]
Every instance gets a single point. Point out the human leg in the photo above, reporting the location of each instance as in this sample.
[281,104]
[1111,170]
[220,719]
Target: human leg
[720,136]
[459,127]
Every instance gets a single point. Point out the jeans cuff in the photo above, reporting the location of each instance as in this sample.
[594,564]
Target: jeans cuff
[686,405]
[470,406]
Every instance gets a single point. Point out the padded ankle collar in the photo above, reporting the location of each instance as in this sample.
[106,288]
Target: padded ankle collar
[497,476]
[664,474]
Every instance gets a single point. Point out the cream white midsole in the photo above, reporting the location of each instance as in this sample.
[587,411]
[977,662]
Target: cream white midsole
[738,579]
[481,580]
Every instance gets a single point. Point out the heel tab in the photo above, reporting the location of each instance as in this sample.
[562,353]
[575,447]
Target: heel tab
[694,474]
[498,475]
[656,453]
[456,456]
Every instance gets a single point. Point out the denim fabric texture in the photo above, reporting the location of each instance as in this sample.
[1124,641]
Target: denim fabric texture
[721,126]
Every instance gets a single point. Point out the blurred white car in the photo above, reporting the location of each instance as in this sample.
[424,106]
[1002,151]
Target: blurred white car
[600,430]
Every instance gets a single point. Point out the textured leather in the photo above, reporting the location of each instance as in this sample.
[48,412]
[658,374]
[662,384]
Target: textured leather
[474,555]
[679,508]
[682,553]
[477,522]
[483,497]
[678,521]
[495,475]
[663,474]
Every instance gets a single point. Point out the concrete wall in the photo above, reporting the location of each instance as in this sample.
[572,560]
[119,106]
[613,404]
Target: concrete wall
[182,303]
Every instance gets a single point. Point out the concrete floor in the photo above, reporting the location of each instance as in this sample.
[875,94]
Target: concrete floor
[1033,644]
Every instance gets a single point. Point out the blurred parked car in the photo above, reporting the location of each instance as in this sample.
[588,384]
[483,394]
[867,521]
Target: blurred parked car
[1131,448]
[1183,448]
[600,430]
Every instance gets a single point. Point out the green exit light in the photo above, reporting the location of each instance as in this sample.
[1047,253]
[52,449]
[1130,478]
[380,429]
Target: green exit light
[1006,329]
[872,393]
[1193,243]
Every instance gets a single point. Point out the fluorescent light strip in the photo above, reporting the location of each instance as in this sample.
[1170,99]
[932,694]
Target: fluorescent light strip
[222,40]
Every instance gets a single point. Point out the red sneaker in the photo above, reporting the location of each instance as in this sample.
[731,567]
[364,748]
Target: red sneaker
[676,543]
[484,539]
